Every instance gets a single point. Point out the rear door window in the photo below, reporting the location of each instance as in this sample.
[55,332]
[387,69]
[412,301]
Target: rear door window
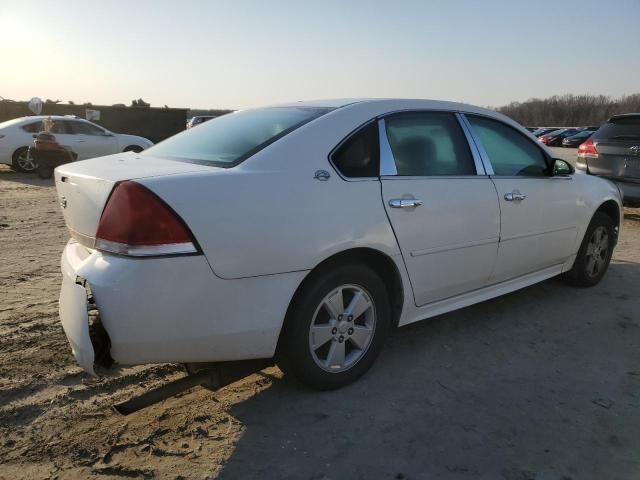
[428,144]
[61,127]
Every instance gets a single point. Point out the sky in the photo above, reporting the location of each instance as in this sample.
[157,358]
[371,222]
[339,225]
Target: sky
[241,53]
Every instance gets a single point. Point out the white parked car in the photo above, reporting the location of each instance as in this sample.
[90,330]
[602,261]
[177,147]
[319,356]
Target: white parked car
[305,232]
[86,139]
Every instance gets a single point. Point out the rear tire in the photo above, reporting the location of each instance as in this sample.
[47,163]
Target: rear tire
[335,327]
[595,252]
[23,161]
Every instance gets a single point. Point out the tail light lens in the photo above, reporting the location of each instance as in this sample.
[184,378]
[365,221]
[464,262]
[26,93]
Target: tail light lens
[136,222]
[588,147]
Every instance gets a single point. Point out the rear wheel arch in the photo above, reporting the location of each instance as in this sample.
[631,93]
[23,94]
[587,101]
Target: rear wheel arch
[612,210]
[381,263]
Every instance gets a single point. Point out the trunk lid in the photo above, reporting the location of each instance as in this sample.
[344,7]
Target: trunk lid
[84,187]
[617,158]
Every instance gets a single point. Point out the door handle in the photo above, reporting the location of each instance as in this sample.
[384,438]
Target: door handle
[405,203]
[514,196]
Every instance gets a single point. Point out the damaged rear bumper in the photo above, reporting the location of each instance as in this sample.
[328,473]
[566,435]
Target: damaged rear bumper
[79,315]
[167,309]
[74,316]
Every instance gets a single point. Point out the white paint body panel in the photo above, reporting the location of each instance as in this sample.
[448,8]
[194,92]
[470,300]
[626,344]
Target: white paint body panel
[173,309]
[455,230]
[266,223]
[544,225]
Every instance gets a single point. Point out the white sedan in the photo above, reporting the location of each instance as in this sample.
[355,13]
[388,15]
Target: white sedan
[304,232]
[86,139]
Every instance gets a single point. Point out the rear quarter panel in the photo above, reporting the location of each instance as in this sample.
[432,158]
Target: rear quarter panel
[269,215]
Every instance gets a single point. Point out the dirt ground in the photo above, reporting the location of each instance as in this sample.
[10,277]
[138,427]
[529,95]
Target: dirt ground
[541,384]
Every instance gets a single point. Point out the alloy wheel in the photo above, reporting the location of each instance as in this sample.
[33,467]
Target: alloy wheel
[25,161]
[342,328]
[597,251]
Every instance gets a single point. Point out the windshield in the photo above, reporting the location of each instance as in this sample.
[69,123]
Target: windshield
[228,140]
[11,122]
[555,132]
[586,133]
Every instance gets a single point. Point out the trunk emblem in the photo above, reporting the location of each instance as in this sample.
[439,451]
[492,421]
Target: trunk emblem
[635,150]
[63,201]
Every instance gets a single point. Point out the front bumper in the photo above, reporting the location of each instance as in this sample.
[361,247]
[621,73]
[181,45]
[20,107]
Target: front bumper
[170,309]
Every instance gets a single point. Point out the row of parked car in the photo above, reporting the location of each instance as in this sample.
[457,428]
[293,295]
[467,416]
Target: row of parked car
[611,151]
[562,137]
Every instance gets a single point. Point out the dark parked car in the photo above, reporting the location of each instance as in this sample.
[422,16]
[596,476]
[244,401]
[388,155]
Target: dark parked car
[542,130]
[575,140]
[613,151]
[554,139]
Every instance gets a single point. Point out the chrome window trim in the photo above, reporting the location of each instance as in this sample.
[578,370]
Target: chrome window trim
[435,177]
[387,162]
[523,177]
[481,168]
[484,158]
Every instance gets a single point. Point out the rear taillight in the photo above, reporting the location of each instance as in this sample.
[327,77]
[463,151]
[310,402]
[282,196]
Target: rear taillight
[588,147]
[137,222]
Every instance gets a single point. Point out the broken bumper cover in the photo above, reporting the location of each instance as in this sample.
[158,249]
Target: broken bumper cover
[169,309]
[75,321]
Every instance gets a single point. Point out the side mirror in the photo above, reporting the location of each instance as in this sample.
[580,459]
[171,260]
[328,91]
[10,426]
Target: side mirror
[562,168]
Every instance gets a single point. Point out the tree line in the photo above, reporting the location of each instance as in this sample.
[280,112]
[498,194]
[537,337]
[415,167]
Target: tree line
[570,110]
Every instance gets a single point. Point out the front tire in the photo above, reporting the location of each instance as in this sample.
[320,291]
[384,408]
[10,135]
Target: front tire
[335,327]
[595,252]
[23,161]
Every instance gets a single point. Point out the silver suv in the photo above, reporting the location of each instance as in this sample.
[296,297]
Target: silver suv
[613,152]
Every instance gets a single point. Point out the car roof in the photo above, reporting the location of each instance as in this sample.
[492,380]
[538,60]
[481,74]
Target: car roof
[31,118]
[624,116]
[403,102]
[387,105]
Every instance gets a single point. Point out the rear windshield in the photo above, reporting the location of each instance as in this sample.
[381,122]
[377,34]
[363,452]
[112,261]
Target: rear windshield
[621,129]
[228,140]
